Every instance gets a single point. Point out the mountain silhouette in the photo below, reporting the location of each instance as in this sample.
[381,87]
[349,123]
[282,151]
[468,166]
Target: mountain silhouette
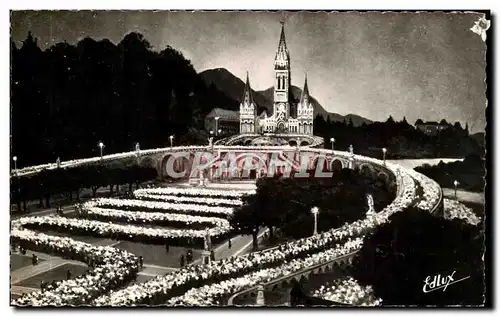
[233,87]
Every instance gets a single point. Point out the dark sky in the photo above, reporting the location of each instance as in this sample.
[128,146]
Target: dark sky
[428,66]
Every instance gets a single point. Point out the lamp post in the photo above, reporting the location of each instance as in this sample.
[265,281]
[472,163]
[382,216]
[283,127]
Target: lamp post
[315,212]
[171,141]
[101,146]
[15,164]
[455,184]
[137,152]
[216,124]
[332,140]
[384,150]
[211,132]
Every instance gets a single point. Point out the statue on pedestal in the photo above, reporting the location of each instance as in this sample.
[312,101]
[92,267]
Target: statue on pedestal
[351,149]
[260,296]
[58,162]
[201,178]
[371,207]
[208,241]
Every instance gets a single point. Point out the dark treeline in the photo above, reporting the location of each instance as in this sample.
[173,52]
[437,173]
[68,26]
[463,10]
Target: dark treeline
[285,203]
[401,139]
[414,246]
[44,185]
[470,173]
[67,98]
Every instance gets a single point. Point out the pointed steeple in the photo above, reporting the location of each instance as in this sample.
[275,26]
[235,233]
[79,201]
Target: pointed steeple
[304,98]
[282,55]
[282,43]
[247,94]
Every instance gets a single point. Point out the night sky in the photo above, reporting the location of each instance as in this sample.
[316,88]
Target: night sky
[428,66]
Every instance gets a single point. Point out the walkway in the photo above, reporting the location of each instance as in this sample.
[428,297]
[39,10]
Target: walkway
[413,163]
[466,196]
[239,245]
[224,185]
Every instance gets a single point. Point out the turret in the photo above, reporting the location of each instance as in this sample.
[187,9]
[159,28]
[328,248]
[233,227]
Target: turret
[305,111]
[247,110]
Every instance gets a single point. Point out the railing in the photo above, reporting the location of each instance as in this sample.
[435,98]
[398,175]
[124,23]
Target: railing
[309,270]
[313,268]
[141,153]
[440,205]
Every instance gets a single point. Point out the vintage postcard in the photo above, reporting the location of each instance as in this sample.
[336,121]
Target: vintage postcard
[251,158]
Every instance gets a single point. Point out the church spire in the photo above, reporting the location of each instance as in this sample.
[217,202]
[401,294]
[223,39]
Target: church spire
[305,93]
[247,94]
[282,55]
[282,43]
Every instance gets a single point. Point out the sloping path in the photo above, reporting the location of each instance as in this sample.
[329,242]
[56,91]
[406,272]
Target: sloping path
[239,244]
[467,196]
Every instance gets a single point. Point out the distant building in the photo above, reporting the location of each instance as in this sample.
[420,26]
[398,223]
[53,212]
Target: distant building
[228,121]
[431,127]
[282,120]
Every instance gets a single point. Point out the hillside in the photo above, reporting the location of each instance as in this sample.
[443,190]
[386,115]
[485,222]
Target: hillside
[233,87]
[479,138]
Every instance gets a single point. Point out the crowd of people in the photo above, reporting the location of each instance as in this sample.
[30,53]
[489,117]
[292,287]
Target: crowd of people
[348,291]
[189,191]
[112,268]
[217,225]
[192,284]
[216,293]
[191,207]
[454,209]
[160,289]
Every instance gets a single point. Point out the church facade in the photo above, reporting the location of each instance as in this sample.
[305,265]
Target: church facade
[282,120]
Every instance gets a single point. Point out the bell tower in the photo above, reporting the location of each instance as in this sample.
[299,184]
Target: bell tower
[282,82]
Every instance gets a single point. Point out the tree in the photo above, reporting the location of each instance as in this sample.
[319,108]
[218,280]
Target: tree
[398,258]
[419,122]
[246,220]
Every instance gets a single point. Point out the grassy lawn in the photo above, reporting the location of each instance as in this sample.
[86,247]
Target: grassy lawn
[87,239]
[156,254]
[18,261]
[143,278]
[56,274]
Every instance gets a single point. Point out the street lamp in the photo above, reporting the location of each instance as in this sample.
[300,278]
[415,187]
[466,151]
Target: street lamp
[455,184]
[216,123]
[137,152]
[332,140]
[315,212]
[219,131]
[211,132]
[101,146]
[384,150]
[171,141]
[15,163]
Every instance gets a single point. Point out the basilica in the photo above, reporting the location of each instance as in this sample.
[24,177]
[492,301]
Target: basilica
[282,121]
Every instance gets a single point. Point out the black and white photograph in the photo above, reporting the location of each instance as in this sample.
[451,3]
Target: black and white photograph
[331,159]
